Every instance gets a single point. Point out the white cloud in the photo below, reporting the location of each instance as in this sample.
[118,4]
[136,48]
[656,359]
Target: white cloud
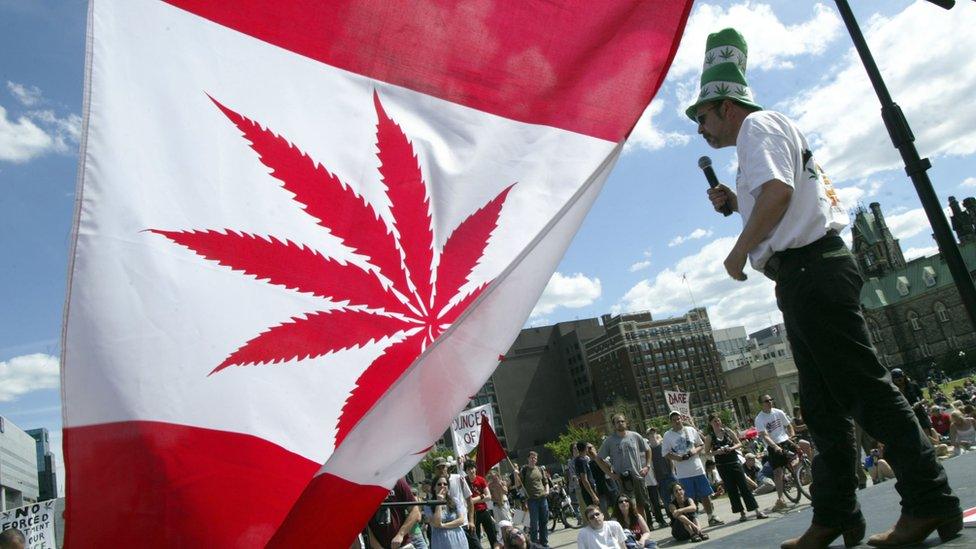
[851,195]
[23,374]
[571,292]
[66,131]
[640,265]
[968,182]
[21,140]
[909,224]
[26,96]
[772,43]
[916,252]
[648,137]
[841,116]
[37,132]
[694,235]
[730,303]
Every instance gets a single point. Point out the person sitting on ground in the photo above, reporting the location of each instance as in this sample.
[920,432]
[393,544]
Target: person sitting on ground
[626,514]
[714,480]
[879,468]
[940,420]
[599,533]
[513,538]
[962,432]
[684,521]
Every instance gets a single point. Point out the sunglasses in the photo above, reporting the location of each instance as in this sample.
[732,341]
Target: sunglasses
[768,400]
[441,484]
[592,516]
[700,118]
[627,501]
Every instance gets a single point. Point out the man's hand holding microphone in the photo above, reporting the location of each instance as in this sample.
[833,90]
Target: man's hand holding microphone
[725,202]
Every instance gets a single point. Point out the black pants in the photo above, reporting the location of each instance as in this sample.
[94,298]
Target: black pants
[484,520]
[655,510]
[818,289]
[736,486]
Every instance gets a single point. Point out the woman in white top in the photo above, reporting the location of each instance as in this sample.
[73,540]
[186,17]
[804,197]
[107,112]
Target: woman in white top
[962,432]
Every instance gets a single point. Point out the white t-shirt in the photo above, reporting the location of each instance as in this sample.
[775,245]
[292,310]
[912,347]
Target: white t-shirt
[769,146]
[774,423]
[459,491]
[680,443]
[611,536]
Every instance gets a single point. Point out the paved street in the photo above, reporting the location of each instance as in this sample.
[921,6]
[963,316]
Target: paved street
[879,505]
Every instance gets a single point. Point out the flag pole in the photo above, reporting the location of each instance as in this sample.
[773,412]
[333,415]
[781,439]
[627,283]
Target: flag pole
[903,139]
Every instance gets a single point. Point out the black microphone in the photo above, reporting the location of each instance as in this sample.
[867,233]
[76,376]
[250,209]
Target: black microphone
[705,163]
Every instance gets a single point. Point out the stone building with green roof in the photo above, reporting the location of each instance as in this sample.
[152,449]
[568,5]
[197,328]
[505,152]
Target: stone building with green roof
[913,309]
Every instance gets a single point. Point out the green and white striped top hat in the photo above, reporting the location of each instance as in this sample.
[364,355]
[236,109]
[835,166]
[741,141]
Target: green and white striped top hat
[726,46]
[724,77]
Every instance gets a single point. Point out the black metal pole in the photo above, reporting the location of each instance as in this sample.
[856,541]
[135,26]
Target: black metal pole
[903,140]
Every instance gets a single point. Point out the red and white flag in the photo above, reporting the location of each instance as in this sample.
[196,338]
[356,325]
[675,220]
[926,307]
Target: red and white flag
[306,231]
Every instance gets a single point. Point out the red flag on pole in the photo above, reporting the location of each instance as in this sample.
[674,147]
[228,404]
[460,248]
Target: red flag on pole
[490,450]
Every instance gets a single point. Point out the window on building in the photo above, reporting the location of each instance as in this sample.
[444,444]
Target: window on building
[913,319]
[875,331]
[940,312]
[928,276]
[903,286]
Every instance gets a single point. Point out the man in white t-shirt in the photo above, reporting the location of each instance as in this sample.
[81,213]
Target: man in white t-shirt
[776,430]
[599,533]
[682,445]
[791,218]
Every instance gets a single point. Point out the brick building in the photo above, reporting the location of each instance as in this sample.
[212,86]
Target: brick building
[913,309]
[638,358]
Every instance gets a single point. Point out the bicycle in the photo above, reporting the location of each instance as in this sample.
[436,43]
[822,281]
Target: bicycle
[797,477]
[561,509]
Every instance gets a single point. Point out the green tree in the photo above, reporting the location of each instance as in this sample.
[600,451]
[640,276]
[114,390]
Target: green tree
[562,446]
[662,423]
[427,464]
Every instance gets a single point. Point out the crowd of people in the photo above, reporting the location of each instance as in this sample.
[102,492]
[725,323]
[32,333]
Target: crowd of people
[635,483]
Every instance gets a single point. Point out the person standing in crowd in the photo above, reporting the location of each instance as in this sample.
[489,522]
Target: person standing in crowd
[606,488]
[572,479]
[458,490]
[724,445]
[533,480]
[599,533]
[446,520]
[684,512]
[656,509]
[683,445]
[776,430]
[791,220]
[392,527]
[480,496]
[584,473]
[661,467]
[907,386]
[630,457]
[498,488]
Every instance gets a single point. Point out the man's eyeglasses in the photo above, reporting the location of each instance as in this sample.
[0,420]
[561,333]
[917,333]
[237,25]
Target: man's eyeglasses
[593,515]
[700,116]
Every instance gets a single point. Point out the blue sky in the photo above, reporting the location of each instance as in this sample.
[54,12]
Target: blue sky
[651,226]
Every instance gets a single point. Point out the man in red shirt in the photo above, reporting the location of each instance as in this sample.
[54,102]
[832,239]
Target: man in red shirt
[940,420]
[392,527]
[480,498]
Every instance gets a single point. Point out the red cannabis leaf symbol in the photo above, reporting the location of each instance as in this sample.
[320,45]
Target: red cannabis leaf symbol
[417,305]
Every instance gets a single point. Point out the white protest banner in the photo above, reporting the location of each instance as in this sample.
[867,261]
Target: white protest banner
[466,428]
[678,402]
[35,521]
